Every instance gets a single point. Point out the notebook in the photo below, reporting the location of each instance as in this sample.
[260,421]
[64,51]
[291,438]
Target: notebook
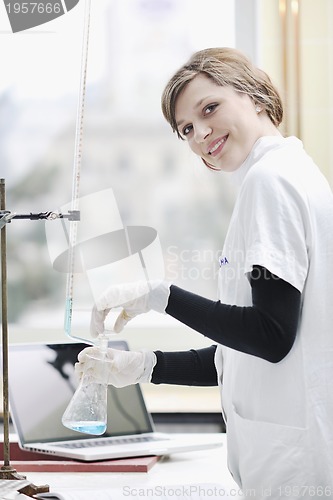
[41,383]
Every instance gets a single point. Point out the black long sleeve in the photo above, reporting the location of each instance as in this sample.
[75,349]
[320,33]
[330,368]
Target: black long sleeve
[194,367]
[266,329]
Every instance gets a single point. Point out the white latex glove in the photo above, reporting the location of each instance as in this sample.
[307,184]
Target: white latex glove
[135,298]
[119,368]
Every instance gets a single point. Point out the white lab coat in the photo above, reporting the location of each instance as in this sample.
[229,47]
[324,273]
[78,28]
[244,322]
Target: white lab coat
[279,417]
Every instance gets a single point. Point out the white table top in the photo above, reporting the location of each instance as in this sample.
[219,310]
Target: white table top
[180,470]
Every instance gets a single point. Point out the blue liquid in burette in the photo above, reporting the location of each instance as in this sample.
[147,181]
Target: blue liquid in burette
[96,428]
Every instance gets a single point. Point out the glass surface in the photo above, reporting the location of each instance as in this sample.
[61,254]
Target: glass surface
[127,144]
[87,410]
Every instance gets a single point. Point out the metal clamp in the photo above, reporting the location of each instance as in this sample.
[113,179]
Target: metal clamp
[6,216]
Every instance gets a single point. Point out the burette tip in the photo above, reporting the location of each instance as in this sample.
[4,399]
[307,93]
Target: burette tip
[103,341]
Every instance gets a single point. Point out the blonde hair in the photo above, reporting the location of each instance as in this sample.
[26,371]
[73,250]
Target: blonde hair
[226,67]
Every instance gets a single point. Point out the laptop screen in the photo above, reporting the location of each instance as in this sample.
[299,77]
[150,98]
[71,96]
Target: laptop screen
[41,383]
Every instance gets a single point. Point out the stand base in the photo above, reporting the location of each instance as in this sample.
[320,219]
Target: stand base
[8,472]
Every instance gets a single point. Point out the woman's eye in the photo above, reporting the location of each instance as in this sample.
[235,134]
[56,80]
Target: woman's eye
[209,109]
[186,130]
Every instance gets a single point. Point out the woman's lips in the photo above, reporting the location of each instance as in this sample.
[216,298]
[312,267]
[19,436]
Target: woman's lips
[216,147]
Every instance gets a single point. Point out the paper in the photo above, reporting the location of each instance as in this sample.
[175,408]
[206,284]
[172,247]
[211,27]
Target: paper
[9,488]
[195,491]
[77,495]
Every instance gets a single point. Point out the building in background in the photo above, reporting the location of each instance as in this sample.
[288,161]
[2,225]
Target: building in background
[136,45]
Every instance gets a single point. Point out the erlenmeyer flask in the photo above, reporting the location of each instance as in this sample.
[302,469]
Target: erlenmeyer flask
[87,410]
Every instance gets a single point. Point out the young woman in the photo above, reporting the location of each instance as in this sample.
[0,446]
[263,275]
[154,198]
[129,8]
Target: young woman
[272,327]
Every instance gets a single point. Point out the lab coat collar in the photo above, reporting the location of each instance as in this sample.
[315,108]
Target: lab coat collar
[260,148]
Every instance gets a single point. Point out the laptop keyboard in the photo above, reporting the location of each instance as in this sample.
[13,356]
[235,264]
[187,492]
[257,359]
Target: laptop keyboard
[92,443]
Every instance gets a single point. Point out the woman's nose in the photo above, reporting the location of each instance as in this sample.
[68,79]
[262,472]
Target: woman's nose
[201,132]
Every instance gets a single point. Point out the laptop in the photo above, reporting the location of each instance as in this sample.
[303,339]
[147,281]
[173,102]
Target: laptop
[41,383]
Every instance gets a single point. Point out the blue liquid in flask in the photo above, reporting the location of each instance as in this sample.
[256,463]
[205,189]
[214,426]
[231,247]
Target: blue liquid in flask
[96,428]
[87,410]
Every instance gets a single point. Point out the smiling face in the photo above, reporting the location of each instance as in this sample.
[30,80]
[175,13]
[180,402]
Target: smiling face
[220,124]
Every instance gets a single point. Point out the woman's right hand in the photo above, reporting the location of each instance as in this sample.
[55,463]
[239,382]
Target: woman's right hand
[134,298]
[118,368]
